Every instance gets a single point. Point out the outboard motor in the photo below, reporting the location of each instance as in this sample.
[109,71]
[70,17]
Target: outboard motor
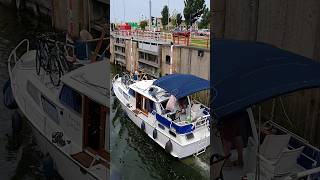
[8,98]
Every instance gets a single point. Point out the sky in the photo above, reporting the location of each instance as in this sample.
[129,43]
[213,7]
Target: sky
[134,10]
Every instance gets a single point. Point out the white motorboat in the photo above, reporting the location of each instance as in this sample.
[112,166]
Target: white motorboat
[70,121]
[183,131]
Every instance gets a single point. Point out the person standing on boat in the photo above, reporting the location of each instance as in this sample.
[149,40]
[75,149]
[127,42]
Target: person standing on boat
[231,135]
[171,104]
[174,105]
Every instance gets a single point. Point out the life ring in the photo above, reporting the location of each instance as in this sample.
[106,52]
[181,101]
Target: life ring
[155,134]
[143,126]
[168,147]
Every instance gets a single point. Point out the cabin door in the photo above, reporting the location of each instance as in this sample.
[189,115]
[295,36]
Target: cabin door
[144,104]
[94,125]
[141,103]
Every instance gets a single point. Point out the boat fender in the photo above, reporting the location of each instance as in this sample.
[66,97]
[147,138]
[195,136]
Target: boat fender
[8,98]
[155,134]
[168,147]
[6,85]
[16,122]
[143,126]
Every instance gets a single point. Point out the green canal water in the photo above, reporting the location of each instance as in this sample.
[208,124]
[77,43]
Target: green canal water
[136,156]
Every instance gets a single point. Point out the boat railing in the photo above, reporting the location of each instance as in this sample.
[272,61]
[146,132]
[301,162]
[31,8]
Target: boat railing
[115,77]
[198,102]
[13,54]
[202,121]
[303,174]
[310,154]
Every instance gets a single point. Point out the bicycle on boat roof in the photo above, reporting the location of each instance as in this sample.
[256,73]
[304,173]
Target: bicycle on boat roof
[51,58]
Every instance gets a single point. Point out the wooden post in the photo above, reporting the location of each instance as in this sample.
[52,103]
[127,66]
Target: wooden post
[218,18]
[103,33]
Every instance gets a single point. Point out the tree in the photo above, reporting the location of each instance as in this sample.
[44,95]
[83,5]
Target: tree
[205,19]
[165,15]
[179,19]
[143,24]
[193,9]
[173,20]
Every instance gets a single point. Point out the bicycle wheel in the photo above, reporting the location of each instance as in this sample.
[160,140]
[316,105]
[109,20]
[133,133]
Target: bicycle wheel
[64,63]
[38,61]
[54,70]
[45,56]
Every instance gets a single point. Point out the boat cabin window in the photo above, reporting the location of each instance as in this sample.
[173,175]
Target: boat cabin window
[132,92]
[50,109]
[33,92]
[144,104]
[150,105]
[71,98]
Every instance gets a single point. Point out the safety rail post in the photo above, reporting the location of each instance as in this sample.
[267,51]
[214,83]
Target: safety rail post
[188,40]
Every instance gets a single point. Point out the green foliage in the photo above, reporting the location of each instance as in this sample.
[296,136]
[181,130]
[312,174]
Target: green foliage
[165,15]
[143,24]
[173,20]
[179,19]
[205,19]
[193,10]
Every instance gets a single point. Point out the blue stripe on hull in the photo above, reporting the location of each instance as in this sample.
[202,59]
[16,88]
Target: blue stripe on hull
[179,129]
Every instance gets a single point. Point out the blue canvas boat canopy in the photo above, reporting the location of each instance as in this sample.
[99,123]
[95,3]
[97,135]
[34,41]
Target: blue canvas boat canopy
[246,73]
[181,85]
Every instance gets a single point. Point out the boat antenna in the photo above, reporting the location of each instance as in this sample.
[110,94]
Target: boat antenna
[124,11]
[171,58]
[150,16]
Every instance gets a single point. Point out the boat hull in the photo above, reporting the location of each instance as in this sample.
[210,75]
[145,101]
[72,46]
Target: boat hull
[163,136]
[43,126]
[65,166]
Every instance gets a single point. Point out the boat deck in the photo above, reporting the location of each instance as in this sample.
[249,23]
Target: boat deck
[87,160]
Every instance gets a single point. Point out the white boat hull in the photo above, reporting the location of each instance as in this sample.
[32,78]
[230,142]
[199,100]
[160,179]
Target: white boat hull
[43,126]
[65,166]
[163,136]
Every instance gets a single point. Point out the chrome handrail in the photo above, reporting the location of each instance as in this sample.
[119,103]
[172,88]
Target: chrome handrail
[13,54]
[115,77]
[202,121]
[305,173]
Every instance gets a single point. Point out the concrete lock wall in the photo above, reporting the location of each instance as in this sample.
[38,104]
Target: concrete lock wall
[293,25]
[131,62]
[72,15]
[186,60]
[112,42]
